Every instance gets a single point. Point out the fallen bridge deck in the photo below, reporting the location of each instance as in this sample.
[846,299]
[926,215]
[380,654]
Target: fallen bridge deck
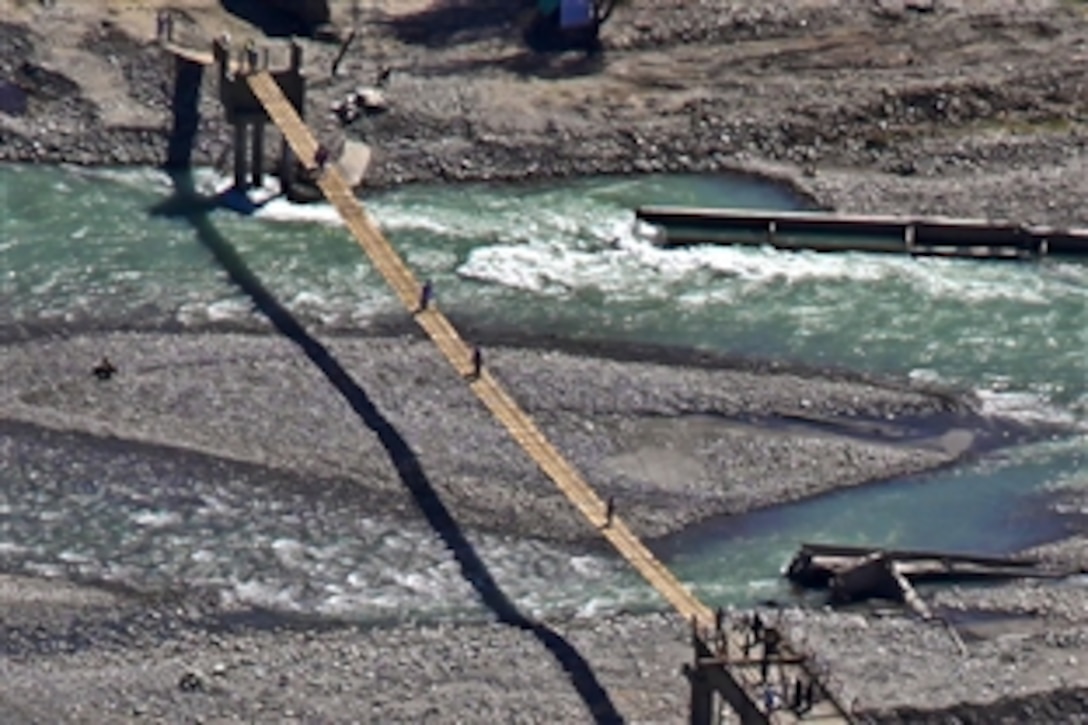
[832,232]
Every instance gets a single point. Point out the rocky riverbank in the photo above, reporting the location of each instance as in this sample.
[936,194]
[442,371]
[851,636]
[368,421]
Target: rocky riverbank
[78,654]
[970,108]
[964,108]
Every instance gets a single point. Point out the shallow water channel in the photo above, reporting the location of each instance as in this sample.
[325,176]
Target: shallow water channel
[559,258]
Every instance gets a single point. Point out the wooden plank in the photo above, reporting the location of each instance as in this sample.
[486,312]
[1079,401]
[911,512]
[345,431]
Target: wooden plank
[193,56]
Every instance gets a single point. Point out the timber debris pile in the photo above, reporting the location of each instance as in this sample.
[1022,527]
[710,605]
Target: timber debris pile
[857,573]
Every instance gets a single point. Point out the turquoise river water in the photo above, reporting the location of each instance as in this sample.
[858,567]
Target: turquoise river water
[79,250]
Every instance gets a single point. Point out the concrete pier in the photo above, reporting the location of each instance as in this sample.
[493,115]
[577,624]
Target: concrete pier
[243,111]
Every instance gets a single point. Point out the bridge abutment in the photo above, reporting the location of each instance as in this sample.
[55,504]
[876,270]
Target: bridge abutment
[185,106]
[245,113]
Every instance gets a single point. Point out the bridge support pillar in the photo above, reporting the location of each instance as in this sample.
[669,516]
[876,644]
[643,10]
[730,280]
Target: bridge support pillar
[287,166]
[702,708]
[256,161]
[239,156]
[185,108]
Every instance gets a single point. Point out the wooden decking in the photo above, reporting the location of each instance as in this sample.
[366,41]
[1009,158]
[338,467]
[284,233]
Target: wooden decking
[489,391]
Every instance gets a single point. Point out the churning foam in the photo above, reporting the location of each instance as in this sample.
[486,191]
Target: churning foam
[139,177]
[1028,407]
[296,557]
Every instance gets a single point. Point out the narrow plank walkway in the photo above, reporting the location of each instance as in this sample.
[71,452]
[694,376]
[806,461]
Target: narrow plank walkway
[489,391]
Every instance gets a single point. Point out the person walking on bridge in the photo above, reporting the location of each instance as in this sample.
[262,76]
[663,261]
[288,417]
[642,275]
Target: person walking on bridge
[321,158]
[425,293]
[477,363]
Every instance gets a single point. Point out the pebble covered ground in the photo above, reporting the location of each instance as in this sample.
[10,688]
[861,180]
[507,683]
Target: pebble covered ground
[961,107]
[672,444]
[181,656]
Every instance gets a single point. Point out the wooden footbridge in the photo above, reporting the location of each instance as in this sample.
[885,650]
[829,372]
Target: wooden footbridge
[754,673]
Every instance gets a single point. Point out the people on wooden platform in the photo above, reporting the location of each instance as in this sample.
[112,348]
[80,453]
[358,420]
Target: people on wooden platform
[798,699]
[164,25]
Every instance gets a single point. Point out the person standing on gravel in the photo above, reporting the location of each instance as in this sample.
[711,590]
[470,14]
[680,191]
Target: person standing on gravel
[104,370]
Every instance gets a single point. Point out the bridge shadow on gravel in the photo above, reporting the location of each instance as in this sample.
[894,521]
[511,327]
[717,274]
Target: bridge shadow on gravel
[188,204]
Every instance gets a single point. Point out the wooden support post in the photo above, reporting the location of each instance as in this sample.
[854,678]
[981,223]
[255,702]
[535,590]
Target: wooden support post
[256,161]
[240,155]
[221,53]
[340,55]
[251,58]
